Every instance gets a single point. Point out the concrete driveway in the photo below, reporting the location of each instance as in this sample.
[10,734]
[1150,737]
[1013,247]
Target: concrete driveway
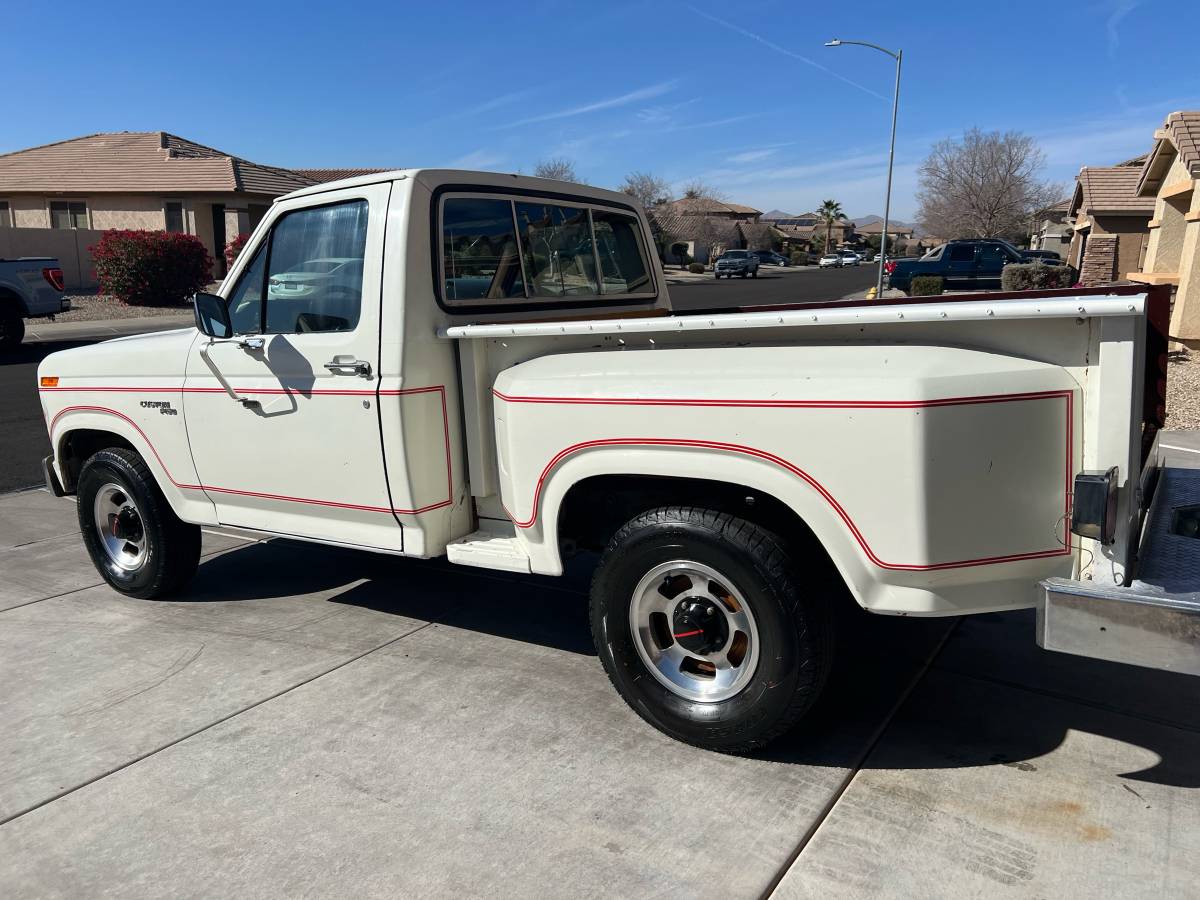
[315,721]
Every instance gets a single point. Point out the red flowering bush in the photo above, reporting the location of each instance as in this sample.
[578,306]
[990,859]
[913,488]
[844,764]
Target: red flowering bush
[151,268]
[234,247]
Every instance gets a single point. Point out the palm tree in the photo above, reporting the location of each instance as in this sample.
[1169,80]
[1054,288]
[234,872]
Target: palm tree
[830,211]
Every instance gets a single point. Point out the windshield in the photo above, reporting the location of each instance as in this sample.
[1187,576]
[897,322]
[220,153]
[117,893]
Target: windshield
[734,254]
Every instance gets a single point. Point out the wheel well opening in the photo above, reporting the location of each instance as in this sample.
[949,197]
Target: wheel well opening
[595,508]
[80,444]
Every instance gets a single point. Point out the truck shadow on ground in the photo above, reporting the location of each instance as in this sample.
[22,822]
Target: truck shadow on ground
[989,697]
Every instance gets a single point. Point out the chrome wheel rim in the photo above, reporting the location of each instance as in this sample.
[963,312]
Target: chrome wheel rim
[694,631]
[120,527]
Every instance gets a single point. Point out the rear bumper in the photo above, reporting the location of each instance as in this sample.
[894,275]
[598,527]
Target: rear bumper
[1155,621]
[1120,624]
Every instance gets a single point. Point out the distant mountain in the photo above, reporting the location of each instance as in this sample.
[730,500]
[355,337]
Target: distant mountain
[868,220]
[777,214]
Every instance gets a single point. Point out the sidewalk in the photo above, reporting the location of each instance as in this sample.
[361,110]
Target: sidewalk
[38,330]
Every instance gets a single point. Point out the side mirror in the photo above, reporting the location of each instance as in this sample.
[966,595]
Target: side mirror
[212,315]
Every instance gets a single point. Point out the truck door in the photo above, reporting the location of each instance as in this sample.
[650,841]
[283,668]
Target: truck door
[990,266]
[960,267]
[283,420]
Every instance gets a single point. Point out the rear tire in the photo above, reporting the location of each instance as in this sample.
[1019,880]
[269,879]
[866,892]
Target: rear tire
[12,331]
[673,568]
[134,538]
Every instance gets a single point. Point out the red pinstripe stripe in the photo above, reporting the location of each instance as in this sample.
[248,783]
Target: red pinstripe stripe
[783,404]
[441,389]
[1064,550]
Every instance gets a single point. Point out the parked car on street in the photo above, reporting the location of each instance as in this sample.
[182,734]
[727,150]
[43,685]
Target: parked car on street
[833,260]
[962,265]
[30,287]
[742,478]
[771,258]
[849,257]
[736,262]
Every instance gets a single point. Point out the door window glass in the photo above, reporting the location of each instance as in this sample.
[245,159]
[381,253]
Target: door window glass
[315,270]
[556,246]
[245,303]
[962,253]
[479,250]
[992,256]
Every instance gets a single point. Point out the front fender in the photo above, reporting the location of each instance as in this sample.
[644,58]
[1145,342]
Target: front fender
[164,448]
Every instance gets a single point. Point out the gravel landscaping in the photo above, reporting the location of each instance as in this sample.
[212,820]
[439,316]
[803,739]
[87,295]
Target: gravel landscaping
[97,307]
[1183,390]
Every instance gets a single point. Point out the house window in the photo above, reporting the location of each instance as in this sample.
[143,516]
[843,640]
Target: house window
[68,214]
[173,210]
[5,215]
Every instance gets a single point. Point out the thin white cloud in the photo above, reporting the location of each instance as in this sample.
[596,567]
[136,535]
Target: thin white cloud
[1117,11]
[713,123]
[778,49]
[663,114]
[477,159]
[646,93]
[752,155]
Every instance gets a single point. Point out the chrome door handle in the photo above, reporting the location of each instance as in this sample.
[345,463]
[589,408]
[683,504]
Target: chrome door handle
[348,365]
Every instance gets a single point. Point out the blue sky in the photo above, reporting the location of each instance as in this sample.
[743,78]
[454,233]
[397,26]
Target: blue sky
[742,95]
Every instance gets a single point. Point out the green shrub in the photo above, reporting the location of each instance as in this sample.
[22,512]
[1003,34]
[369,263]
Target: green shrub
[696,267]
[1036,276]
[151,268]
[799,259]
[926,286]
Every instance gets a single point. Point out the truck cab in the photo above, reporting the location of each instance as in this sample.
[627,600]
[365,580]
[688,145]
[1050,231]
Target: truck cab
[488,368]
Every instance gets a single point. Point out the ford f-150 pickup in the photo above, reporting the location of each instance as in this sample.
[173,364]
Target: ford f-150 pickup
[493,372]
[30,287]
[962,265]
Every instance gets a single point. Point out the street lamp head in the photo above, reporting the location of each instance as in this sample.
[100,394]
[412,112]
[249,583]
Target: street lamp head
[836,42]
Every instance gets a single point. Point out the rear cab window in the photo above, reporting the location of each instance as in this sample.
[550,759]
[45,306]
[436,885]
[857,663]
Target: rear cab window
[505,251]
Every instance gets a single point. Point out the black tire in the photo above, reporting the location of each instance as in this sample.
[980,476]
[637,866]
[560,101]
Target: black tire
[743,273]
[171,546]
[12,331]
[794,627]
[754,274]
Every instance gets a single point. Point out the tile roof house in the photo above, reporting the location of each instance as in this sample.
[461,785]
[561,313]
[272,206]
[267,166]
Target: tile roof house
[1051,229]
[150,180]
[1168,182]
[1111,223]
[707,206]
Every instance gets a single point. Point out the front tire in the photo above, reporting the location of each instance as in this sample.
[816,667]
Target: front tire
[706,632]
[134,538]
[12,332]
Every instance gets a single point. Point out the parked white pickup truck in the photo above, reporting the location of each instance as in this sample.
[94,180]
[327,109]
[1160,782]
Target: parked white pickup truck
[487,367]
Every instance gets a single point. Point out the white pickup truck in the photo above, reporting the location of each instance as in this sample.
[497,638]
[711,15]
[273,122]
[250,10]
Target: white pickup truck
[488,367]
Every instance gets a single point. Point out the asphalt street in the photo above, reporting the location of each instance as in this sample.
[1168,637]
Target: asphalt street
[23,440]
[773,286]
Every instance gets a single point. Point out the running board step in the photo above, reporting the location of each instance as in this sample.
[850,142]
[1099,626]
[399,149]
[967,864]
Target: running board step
[489,549]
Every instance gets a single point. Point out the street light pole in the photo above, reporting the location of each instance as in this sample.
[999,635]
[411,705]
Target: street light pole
[898,56]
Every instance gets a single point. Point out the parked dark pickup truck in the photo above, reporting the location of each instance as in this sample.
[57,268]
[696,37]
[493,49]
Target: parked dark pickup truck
[963,265]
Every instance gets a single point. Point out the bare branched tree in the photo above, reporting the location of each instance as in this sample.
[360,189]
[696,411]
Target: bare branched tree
[649,190]
[697,189]
[986,185]
[558,168]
